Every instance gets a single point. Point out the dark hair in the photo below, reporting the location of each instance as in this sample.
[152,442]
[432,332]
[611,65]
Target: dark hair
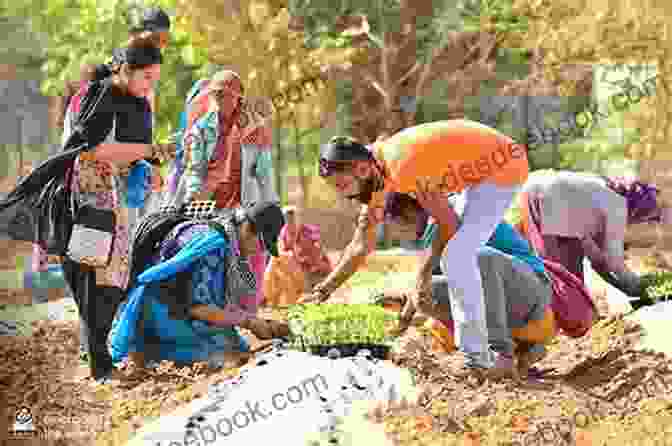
[103,71]
[139,54]
[398,204]
[152,39]
[149,19]
[339,152]
[343,148]
[641,198]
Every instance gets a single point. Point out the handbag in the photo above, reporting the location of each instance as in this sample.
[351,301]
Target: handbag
[92,237]
[41,209]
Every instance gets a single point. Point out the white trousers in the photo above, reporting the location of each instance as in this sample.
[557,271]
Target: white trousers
[484,208]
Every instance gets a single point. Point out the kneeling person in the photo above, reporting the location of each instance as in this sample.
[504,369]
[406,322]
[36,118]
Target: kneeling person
[516,287]
[187,304]
[517,301]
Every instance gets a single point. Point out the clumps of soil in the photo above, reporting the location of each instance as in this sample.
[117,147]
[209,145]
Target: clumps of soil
[39,372]
[152,393]
[596,387]
[43,372]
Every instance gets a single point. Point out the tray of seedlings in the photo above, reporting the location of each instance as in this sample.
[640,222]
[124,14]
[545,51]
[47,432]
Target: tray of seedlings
[656,287]
[348,328]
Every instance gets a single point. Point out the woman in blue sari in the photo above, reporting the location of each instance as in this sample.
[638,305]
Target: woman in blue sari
[187,305]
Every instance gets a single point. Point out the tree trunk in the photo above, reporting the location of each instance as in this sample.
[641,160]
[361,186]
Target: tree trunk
[524,126]
[19,146]
[303,181]
[279,164]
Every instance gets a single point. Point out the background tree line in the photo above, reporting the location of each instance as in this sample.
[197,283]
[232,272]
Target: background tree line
[384,65]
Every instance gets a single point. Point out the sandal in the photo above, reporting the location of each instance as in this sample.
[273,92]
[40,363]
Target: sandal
[265,329]
[527,358]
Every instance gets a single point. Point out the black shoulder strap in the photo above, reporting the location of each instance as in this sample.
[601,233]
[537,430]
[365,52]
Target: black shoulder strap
[89,104]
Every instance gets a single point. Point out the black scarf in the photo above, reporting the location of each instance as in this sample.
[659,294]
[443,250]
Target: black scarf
[23,207]
[151,231]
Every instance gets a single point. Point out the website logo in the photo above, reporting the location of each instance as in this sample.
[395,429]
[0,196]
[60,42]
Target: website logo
[23,424]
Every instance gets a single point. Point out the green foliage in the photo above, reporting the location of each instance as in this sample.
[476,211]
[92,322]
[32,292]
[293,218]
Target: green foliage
[336,42]
[512,63]
[69,33]
[318,16]
[383,16]
[20,46]
[606,144]
[657,285]
[432,31]
[499,12]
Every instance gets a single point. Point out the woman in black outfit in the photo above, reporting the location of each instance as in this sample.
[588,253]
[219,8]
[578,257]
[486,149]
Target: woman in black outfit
[120,131]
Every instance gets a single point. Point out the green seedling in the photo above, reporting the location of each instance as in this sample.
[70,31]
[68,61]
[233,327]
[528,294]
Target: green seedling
[340,324]
[657,285]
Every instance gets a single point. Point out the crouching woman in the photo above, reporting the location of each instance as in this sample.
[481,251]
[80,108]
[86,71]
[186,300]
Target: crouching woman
[302,262]
[188,304]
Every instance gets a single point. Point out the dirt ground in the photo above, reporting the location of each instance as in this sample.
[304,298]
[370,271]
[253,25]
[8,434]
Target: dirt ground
[594,391]
[597,389]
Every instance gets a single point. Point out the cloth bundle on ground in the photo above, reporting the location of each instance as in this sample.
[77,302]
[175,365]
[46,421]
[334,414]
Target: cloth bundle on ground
[196,264]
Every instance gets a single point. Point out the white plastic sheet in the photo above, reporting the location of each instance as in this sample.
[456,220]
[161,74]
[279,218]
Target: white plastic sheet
[287,399]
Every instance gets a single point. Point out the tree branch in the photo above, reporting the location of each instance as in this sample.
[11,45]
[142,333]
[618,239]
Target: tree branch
[409,73]
[308,132]
[385,68]
[436,53]
[374,83]
[368,117]
[427,68]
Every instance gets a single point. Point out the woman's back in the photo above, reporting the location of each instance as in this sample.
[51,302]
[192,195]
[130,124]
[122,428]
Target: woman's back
[574,204]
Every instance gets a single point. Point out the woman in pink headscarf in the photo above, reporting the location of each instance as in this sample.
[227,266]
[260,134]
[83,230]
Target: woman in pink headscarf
[302,262]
